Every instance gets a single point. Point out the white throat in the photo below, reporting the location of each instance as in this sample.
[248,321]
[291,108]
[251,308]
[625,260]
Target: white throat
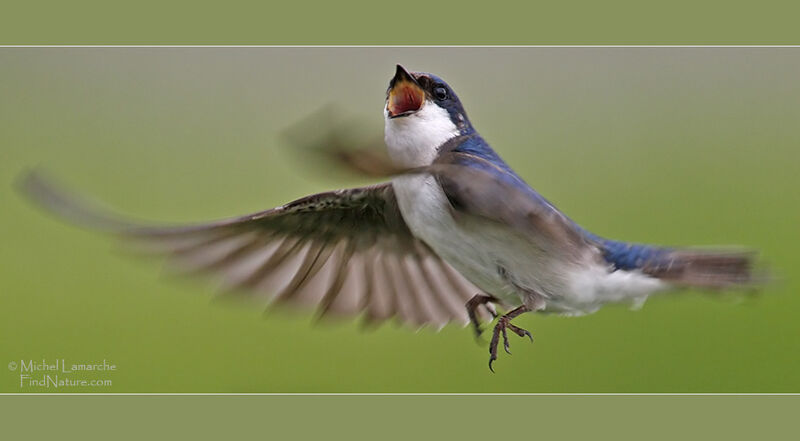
[414,140]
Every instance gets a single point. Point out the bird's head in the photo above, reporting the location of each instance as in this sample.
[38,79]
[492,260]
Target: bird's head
[421,113]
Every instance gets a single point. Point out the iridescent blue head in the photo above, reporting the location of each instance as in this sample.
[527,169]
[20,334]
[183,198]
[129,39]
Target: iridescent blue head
[408,92]
[422,112]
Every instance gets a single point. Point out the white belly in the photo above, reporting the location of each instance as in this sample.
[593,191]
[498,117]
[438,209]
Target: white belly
[481,251]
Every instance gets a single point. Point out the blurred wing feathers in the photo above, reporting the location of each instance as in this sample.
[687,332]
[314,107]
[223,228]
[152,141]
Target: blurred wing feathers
[342,252]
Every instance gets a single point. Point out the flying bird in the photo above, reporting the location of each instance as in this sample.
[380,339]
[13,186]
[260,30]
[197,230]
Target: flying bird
[453,235]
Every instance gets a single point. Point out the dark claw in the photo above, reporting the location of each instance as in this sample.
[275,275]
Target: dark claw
[501,328]
[521,332]
[478,332]
[472,307]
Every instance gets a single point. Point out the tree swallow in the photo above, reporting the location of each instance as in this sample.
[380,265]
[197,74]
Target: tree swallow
[455,233]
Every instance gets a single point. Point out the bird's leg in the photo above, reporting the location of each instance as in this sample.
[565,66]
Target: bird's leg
[500,328]
[472,310]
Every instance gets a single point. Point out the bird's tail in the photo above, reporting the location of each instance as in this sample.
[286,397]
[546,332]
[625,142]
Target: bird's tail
[713,269]
[687,267]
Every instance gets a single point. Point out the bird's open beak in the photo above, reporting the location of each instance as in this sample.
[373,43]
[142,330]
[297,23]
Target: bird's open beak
[405,94]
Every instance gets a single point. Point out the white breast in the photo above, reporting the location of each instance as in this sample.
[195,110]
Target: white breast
[414,140]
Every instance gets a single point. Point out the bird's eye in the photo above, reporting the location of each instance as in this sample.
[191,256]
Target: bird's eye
[440,93]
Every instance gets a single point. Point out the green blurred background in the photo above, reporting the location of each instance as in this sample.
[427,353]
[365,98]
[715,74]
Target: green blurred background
[679,146]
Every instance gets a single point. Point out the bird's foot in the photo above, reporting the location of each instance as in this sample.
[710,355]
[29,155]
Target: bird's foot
[472,311]
[501,327]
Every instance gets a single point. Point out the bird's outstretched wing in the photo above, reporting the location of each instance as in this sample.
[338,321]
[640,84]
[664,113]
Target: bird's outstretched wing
[343,252]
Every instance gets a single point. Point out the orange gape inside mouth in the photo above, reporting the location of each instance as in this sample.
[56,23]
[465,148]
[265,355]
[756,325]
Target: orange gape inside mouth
[405,98]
